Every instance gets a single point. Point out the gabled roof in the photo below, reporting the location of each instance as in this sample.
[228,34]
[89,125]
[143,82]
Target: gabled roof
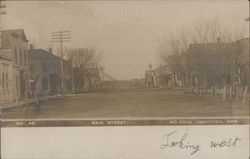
[16,33]
[40,54]
[43,55]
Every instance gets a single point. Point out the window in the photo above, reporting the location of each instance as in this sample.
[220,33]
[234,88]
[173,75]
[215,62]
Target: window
[25,57]
[44,67]
[15,55]
[45,83]
[3,83]
[21,57]
[7,82]
[32,67]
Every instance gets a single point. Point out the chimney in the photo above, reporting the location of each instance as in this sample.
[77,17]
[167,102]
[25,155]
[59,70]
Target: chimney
[218,40]
[31,46]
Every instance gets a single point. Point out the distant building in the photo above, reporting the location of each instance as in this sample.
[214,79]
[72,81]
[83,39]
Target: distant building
[93,80]
[14,63]
[152,77]
[45,77]
[149,77]
[241,64]
[210,64]
[218,64]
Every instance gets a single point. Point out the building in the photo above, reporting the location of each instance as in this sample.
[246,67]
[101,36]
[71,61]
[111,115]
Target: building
[241,63]
[152,77]
[14,66]
[210,64]
[45,74]
[6,76]
[218,64]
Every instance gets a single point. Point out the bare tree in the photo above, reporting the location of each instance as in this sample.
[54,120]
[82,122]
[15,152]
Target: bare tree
[174,50]
[88,70]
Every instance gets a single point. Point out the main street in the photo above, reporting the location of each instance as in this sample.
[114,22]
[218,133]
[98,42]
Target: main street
[126,101]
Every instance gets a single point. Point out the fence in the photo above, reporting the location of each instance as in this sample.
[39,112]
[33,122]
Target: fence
[228,93]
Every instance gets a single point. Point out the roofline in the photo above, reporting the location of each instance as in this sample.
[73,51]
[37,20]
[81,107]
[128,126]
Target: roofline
[10,30]
[215,43]
[45,51]
[30,50]
[242,39]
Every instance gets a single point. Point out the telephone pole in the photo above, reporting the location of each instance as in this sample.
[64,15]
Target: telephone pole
[61,37]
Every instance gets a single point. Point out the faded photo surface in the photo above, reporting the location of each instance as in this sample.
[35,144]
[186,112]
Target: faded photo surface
[124,79]
[63,60]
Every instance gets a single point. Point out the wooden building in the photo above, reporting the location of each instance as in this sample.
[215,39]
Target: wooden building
[45,77]
[14,63]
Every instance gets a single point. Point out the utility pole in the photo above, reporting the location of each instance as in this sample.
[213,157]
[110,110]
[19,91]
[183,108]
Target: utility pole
[73,74]
[61,37]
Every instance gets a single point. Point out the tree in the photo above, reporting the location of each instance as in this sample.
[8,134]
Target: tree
[174,51]
[87,71]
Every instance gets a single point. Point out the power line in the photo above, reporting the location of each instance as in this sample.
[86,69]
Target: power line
[61,37]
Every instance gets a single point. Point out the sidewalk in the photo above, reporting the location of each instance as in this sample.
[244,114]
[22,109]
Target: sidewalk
[32,101]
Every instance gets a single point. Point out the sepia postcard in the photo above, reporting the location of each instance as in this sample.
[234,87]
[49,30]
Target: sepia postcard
[124,79]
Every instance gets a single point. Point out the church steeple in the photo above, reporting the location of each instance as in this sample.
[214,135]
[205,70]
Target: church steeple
[150,68]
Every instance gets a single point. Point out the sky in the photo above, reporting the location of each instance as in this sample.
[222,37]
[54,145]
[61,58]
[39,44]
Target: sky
[126,33]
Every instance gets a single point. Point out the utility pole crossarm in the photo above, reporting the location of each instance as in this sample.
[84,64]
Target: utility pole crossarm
[61,37]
